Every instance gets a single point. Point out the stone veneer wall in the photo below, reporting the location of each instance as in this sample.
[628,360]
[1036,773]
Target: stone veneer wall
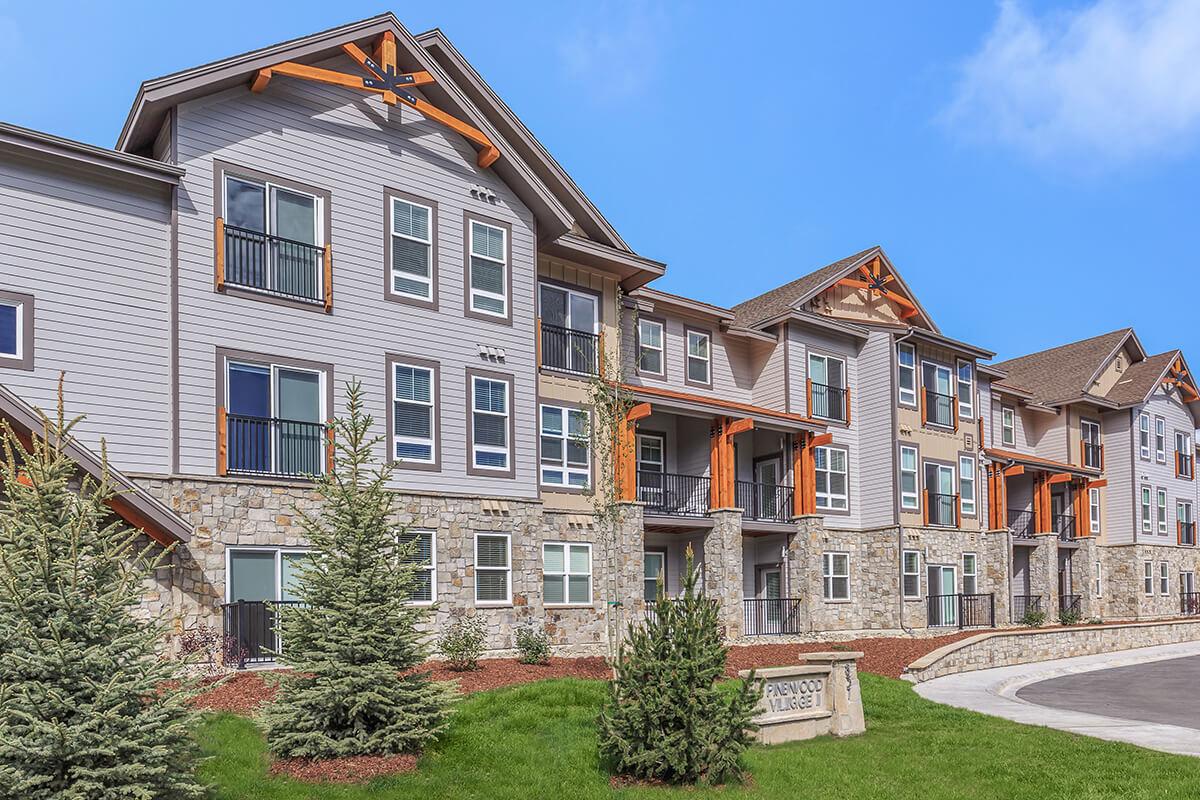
[1005,648]
[1123,591]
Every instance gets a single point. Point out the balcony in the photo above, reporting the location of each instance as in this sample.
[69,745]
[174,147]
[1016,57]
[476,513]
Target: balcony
[1093,455]
[766,502]
[771,617]
[962,611]
[939,409]
[250,636]
[272,265]
[672,495]
[1187,533]
[1020,523]
[266,446]
[828,402]
[569,350]
[1185,465]
[1189,603]
[1064,526]
[941,509]
[1025,604]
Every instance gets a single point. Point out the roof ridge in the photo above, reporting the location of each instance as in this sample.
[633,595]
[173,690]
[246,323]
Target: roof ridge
[1076,343]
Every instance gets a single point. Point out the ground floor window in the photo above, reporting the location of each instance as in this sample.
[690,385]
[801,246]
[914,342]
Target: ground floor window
[835,573]
[263,574]
[1164,579]
[493,569]
[912,574]
[655,565]
[566,574]
[1187,583]
[425,559]
[1148,577]
[970,574]
[1098,581]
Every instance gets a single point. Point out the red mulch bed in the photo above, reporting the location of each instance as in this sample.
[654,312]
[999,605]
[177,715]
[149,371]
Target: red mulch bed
[241,693]
[351,769]
[882,655]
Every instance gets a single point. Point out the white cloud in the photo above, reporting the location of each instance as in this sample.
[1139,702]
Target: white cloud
[612,53]
[1103,84]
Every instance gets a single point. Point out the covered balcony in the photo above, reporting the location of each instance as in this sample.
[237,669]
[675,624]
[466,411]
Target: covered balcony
[1035,497]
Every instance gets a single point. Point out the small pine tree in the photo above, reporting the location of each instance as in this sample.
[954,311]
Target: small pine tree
[354,643]
[88,708]
[665,718]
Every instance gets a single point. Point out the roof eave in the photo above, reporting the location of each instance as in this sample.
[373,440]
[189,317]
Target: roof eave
[39,144]
[695,307]
[953,344]
[631,270]
[863,260]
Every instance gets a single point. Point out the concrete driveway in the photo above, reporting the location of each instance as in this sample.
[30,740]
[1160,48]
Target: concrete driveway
[1145,697]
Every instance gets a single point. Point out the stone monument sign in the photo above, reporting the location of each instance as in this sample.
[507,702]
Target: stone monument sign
[816,697]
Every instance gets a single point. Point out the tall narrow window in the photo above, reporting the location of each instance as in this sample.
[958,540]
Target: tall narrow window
[832,478]
[909,490]
[966,484]
[570,335]
[411,249]
[938,387]
[274,239]
[1184,455]
[1160,440]
[835,575]
[413,417]
[1090,443]
[274,420]
[650,348]
[10,329]
[424,559]
[493,569]
[566,574]
[1098,581]
[1161,507]
[699,358]
[966,389]
[488,252]
[1184,522]
[906,362]
[489,424]
[911,586]
[1164,579]
[970,580]
[941,499]
[1147,522]
[16,330]
[655,565]
[1148,577]
[1008,426]
[1094,510]
[827,387]
[566,459]
[1144,436]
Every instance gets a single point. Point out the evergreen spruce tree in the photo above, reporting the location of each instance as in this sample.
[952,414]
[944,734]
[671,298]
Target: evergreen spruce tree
[665,718]
[86,704]
[354,643]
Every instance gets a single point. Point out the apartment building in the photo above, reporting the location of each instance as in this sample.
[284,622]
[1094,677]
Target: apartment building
[359,204]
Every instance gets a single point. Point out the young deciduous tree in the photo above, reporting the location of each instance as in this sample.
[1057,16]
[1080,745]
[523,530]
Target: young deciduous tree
[354,643]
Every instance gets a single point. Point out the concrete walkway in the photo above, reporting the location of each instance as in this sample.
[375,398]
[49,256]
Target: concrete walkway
[999,692]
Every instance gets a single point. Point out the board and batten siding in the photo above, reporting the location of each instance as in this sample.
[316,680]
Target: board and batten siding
[354,148]
[94,252]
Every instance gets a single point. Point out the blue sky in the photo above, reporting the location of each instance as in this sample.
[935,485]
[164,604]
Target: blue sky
[1029,167]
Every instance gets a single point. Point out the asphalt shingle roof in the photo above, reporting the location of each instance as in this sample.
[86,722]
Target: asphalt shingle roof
[1140,378]
[1061,373]
[779,300]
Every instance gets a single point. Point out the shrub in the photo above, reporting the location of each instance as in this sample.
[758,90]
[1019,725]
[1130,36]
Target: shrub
[463,642]
[1095,621]
[533,645]
[210,650]
[666,718]
[1068,617]
[1034,619]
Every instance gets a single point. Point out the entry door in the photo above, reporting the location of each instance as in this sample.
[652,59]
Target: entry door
[770,590]
[943,609]
[650,468]
[939,482]
[298,407]
[767,494]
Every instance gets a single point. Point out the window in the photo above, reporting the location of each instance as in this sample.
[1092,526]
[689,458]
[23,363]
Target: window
[1183,516]
[651,449]
[970,574]
[1092,455]
[1144,436]
[492,569]
[966,484]
[425,561]
[909,493]
[16,330]
[263,574]
[655,565]
[940,402]
[1146,521]
[1160,440]
[911,586]
[274,417]
[1148,577]
[487,251]
[1164,580]
[490,424]
[274,237]
[410,249]
[835,572]
[1161,506]
[699,358]
[1008,426]
[1098,581]
[831,478]
[941,501]
[906,360]
[966,389]
[414,423]
[827,387]
[1094,510]
[566,451]
[1183,455]
[566,574]
[570,338]
[650,348]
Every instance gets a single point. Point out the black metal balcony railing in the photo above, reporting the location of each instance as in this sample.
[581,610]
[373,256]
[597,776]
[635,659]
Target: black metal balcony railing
[771,617]
[250,624]
[962,611]
[570,350]
[1189,603]
[268,446]
[1020,522]
[1184,465]
[1187,533]
[942,508]
[1064,526]
[1069,604]
[1093,455]
[764,501]
[940,408]
[1024,604]
[674,495]
[828,402]
[273,264]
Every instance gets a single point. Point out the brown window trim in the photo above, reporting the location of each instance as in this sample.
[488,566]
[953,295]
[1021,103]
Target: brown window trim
[391,360]
[637,349]
[26,302]
[510,472]
[468,217]
[711,355]
[389,292]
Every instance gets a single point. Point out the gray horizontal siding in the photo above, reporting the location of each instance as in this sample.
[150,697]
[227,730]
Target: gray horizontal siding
[872,399]
[733,375]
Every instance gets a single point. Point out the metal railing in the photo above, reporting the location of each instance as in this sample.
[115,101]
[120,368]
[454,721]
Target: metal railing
[674,495]
[1024,604]
[942,509]
[962,611]
[1184,465]
[272,264]
[570,350]
[1064,526]
[940,408]
[828,402]
[1020,522]
[771,617]
[1093,455]
[1189,603]
[1069,604]
[270,446]
[251,624]
[764,501]
[1187,533]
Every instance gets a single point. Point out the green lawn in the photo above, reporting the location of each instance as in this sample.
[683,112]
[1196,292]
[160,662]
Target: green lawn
[538,741]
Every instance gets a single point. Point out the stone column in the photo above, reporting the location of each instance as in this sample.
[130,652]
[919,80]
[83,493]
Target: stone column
[1043,574]
[627,561]
[997,572]
[1084,569]
[723,568]
[800,564]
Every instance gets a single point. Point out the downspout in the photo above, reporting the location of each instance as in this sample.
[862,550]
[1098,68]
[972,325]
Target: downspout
[896,342]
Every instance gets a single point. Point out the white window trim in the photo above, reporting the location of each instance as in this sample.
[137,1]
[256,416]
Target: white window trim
[1098,580]
[915,495]
[433,416]
[687,356]
[279,552]
[1094,510]
[829,495]
[431,569]
[1008,433]
[565,436]
[428,279]
[661,349]
[909,399]
[1147,509]
[274,383]
[1144,436]
[968,466]
[269,218]
[1160,510]
[472,292]
[1160,440]
[1148,578]
[1164,578]
[843,388]
[506,570]
[967,410]
[476,449]
[567,574]
[974,574]
[904,573]
[20,332]
[951,382]
[828,576]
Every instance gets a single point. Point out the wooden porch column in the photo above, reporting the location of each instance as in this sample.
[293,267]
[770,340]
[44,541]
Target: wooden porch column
[1078,487]
[625,452]
[805,467]
[722,467]
[799,476]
